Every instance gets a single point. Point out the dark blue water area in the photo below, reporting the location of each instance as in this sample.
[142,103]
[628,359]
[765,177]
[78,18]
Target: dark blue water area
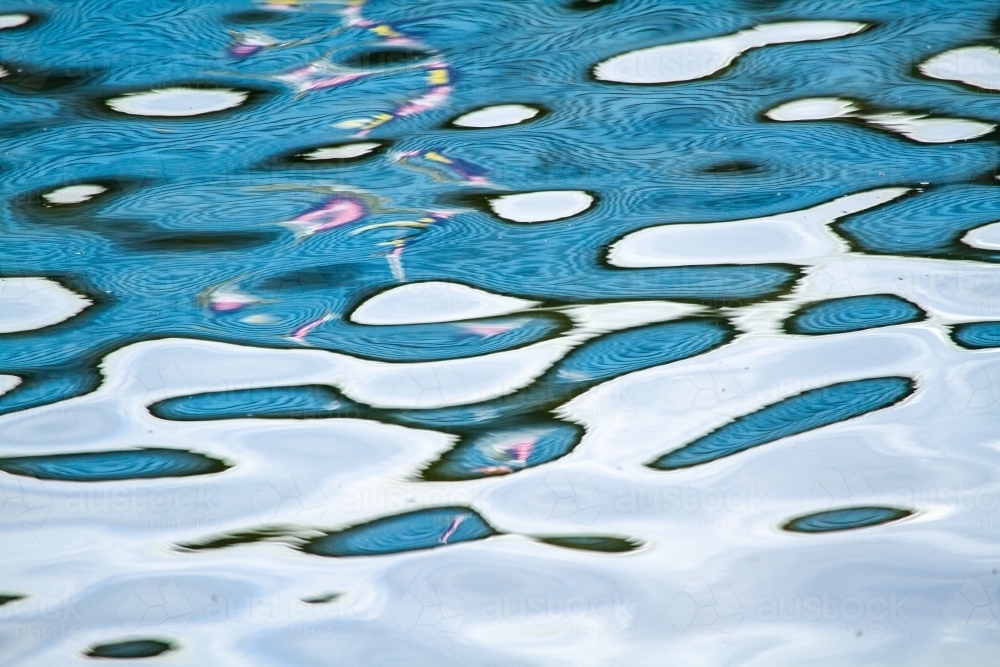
[602,358]
[977,335]
[930,223]
[301,402]
[502,451]
[853,313]
[421,529]
[195,203]
[849,518]
[803,412]
[113,466]
[131,649]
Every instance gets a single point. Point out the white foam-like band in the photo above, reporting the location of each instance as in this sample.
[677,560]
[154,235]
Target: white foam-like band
[497,116]
[977,66]
[434,301]
[177,102]
[33,303]
[542,206]
[686,61]
[795,237]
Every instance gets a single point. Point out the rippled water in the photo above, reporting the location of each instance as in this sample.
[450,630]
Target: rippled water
[524,333]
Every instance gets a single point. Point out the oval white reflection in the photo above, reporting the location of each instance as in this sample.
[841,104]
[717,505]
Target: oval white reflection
[74,194]
[175,102]
[497,116]
[542,206]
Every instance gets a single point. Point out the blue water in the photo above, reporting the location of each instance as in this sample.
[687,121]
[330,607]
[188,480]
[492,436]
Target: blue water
[530,484]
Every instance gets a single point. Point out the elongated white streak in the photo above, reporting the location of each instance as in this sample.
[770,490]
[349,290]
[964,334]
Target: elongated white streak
[435,301]
[916,127]
[793,237]
[344,152]
[686,61]
[977,66]
[542,206]
[13,20]
[986,237]
[8,382]
[33,303]
[177,102]
[496,116]
[74,194]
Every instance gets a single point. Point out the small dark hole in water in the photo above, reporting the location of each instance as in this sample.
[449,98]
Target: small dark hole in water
[25,80]
[733,168]
[256,16]
[593,543]
[322,599]
[133,648]
[584,5]
[166,242]
[385,58]
[242,537]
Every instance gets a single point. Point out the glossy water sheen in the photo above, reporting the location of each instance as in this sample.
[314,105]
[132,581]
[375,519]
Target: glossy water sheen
[806,411]
[845,519]
[372,278]
[853,314]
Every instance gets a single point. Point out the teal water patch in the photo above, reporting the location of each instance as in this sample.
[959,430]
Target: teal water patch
[804,412]
[502,451]
[422,529]
[853,313]
[977,335]
[113,466]
[301,402]
[849,518]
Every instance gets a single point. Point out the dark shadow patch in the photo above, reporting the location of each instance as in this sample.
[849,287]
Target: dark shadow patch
[10,597]
[733,168]
[593,543]
[161,241]
[385,58]
[131,648]
[253,16]
[587,5]
[322,599]
[26,80]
